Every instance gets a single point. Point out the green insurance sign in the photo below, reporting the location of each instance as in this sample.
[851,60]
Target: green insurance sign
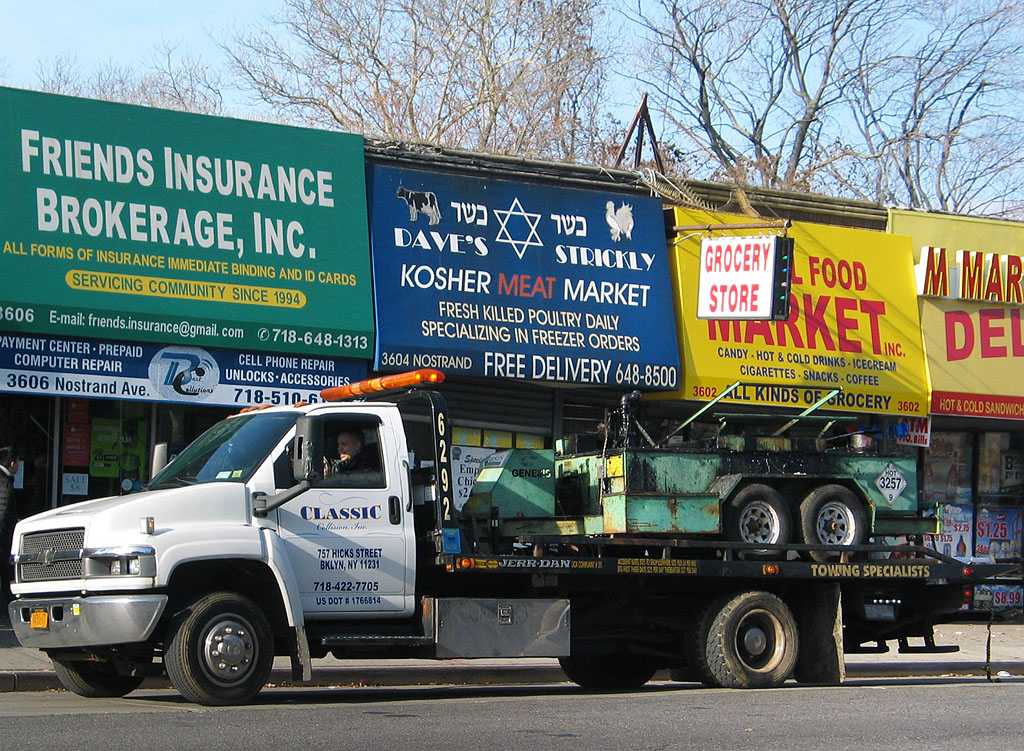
[123,222]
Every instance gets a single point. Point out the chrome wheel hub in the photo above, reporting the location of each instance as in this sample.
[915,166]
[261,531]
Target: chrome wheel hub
[229,650]
[759,522]
[836,524]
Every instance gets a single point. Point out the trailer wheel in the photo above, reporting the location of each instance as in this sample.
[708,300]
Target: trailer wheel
[219,650]
[832,515]
[94,679]
[758,514]
[607,672]
[749,640]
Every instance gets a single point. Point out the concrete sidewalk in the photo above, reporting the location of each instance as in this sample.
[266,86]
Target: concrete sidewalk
[30,670]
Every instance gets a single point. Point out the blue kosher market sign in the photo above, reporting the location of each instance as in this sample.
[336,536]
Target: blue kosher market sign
[520,281]
[65,366]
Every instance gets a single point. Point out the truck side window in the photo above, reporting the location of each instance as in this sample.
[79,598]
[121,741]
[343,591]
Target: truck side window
[352,457]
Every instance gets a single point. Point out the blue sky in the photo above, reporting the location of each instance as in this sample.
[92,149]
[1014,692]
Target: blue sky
[128,32]
[122,31]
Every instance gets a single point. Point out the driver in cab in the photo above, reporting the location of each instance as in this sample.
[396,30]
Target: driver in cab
[352,458]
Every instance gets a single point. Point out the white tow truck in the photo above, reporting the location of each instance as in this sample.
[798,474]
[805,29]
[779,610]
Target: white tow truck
[247,546]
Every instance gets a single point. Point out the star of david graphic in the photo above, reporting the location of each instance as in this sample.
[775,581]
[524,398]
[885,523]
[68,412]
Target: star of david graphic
[504,235]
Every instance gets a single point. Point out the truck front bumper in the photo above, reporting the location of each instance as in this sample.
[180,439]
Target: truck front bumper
[55,622]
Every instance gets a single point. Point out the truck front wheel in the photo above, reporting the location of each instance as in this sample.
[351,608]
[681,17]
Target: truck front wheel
[607,672]
[219,650]
[94,679]
[747,640]
[832,515]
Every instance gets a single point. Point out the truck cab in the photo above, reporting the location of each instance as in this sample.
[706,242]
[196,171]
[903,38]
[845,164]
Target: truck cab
[256,535]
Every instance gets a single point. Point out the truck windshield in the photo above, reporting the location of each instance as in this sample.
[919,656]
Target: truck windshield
[230,451]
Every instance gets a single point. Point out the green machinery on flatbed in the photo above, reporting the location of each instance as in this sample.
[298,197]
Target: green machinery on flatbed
[771,488]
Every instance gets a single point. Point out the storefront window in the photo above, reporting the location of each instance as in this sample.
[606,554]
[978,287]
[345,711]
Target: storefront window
[948,466]
[104,448]
[27,426]
[998,522]
[981,503]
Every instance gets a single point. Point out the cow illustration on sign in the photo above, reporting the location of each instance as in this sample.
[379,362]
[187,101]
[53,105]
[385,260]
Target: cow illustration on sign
[421,201]
[620,221]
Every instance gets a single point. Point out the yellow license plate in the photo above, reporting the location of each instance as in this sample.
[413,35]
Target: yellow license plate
[39,619]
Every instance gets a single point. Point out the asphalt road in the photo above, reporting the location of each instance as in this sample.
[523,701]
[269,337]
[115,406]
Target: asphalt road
[920,714]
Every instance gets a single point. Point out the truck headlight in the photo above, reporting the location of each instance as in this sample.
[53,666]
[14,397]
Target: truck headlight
[127,561]
[129,565]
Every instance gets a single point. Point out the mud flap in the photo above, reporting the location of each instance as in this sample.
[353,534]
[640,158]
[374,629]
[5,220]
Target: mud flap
[302,664]
[820,624]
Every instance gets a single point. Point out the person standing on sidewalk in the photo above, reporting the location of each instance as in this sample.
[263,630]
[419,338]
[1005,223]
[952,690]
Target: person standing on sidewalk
[8,467]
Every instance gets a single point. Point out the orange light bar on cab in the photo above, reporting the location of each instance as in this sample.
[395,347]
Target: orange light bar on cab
[382,383]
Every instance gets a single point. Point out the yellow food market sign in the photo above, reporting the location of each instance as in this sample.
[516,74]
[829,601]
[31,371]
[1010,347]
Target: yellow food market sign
[853,325]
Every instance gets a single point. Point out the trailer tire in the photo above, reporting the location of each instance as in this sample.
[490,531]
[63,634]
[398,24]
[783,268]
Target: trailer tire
[95,680]
[219,650]
[832,515]
[607,672]
[758,514]
[749,640]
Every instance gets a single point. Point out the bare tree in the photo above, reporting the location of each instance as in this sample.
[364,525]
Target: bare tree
[169,80]
[938,122]
[504,76]
[908,104]
[752,83]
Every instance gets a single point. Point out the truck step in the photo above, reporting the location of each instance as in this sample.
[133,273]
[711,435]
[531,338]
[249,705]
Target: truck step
[376,640]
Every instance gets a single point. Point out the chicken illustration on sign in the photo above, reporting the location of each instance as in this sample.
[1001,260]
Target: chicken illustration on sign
[620,221]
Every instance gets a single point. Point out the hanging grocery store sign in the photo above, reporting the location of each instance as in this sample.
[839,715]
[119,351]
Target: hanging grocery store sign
[63,366]
[140,224]
[852,329]
[969,274]
[520,281]
[745,278]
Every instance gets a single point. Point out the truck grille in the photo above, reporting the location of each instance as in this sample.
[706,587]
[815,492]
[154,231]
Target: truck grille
[60,540]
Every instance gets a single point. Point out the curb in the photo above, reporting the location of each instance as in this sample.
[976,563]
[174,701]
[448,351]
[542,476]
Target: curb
[911,669]
[45,680]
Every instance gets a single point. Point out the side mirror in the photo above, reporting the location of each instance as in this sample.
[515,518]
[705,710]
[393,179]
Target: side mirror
[159,459]
[308,449]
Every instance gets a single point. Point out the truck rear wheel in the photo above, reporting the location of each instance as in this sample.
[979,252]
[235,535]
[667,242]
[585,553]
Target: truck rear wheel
[832,515]
[94,679]
[746,640]
[694,643]
[219,650]
[607,672]
[758,514]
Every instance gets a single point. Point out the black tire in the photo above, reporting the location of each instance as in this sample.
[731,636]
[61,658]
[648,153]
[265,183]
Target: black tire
[832,515]
[694,641]
[758,514]
[195,657]
[95,680]
[607,672]
[749,640]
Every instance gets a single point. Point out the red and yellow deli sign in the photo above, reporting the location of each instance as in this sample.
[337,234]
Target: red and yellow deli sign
[971,283]
[853,325]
